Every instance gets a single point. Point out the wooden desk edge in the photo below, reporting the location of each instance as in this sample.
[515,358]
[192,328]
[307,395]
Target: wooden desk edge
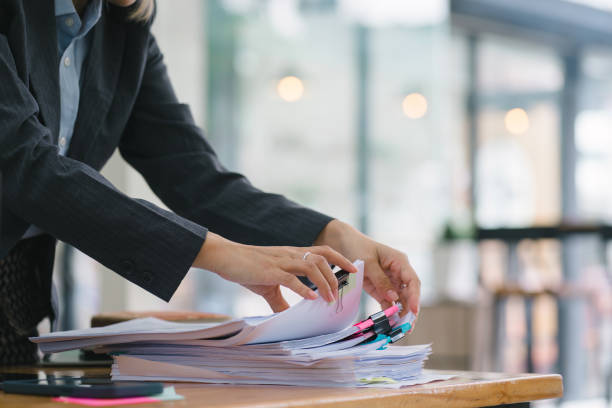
[443,394]
[451,393]
[468,389]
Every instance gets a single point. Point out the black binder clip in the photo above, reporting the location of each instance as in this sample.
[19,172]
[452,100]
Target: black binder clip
[396,334]
[381,323]
[382,327]
[341,275]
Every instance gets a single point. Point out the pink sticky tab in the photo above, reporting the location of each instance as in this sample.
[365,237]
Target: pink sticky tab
[392,310]
[105,402]
[364,324]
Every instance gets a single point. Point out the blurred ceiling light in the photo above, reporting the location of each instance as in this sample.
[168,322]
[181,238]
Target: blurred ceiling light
[290,88]
[414,105]
[386,12]
[517,121]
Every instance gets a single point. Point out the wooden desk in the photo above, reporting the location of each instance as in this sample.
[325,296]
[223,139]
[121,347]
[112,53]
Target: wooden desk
[468,389]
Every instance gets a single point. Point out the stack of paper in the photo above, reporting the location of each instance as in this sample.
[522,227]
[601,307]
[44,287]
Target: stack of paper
[312,343]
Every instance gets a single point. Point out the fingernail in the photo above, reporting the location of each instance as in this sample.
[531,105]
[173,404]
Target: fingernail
[392,295]
[313,295]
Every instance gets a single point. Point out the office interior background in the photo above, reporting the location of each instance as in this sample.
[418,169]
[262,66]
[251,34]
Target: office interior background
[472,134]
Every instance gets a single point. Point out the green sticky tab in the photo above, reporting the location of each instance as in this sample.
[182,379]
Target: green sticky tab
[377,380]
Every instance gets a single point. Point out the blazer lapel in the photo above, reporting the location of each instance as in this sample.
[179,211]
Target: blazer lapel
[43,61]
[100,74]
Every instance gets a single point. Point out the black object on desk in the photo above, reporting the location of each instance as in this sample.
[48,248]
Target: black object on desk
[82,387]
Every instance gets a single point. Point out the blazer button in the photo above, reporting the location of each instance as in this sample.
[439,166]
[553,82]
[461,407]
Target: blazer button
[147,276]
[128,267]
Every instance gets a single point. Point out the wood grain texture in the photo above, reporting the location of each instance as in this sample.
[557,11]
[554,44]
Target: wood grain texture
[468,389]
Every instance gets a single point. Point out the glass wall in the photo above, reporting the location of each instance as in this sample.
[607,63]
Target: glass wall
[593,133]
[517,171]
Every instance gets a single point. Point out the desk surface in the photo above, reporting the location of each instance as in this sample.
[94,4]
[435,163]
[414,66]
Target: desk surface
[468,389]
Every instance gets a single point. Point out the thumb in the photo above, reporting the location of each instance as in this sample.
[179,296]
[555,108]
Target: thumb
[381,282]
[276,300]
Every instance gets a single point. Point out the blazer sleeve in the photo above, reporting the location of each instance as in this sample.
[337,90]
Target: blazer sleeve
[149,246]
[162,142]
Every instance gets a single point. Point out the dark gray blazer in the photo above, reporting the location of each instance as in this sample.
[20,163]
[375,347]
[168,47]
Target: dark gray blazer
[127,101]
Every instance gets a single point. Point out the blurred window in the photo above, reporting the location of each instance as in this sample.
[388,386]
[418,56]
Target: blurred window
[593,129]
[517,167]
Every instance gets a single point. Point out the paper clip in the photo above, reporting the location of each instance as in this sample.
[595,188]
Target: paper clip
[339,305]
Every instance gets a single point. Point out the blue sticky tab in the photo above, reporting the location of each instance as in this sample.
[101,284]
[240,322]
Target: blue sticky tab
[387,340]
[406,327]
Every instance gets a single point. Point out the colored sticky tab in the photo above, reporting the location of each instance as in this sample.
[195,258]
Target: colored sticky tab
[169,394]
[406,327]
[378,380]
[379,338]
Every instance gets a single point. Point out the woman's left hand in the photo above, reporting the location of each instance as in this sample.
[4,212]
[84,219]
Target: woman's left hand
[389,277]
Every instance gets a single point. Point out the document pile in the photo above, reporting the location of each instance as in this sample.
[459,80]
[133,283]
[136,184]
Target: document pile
[313,343]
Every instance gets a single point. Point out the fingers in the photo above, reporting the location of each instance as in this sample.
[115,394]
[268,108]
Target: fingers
[276,301]
[381,282]
[311,269]
[334,258]
[293,283]
[328,275]
[413,294]
[368,286]
[402,276]
[411,288]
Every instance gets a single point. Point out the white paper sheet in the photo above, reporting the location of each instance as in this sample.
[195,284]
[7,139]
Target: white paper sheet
[308,318]
[355,367]
[311,318]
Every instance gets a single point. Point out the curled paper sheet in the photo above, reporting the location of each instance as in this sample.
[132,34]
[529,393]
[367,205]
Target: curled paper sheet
[310,318]
[306,319]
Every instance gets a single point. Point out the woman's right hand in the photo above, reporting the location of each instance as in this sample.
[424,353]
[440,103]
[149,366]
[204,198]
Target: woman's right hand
[263,269]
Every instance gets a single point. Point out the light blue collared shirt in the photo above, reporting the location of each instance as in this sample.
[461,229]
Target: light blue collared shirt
[72,47]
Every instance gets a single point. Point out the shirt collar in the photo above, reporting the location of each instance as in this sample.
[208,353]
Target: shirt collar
[63,7]
[92,13]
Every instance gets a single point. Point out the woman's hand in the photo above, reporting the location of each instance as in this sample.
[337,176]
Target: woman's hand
[263,269]
[388,274]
